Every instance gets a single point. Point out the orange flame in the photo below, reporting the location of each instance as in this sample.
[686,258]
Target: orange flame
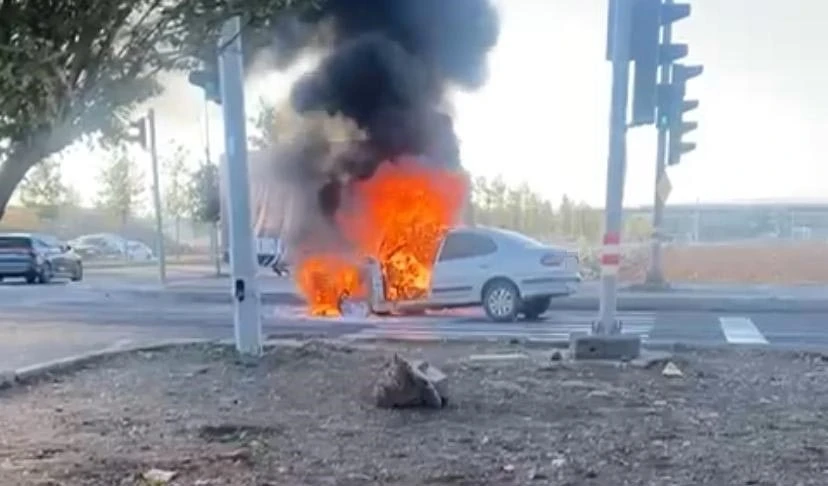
[398,217]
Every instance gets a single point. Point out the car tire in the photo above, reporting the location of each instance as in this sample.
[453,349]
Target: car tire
[534,308]
[501,300]
[77,275]
[45,275]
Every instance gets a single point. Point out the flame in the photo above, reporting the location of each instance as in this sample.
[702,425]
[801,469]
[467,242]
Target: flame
[398,217]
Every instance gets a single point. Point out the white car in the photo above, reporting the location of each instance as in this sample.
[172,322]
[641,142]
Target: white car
[138,251]
[508,273]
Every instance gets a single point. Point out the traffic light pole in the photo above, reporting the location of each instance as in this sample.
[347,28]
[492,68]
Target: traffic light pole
[248,326]
[607,323]
[156,198]
[655,275]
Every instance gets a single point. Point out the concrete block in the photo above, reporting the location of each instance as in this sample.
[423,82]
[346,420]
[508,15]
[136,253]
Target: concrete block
[616,347]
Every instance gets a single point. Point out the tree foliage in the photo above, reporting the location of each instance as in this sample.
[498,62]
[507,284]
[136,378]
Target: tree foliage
[121,185]
[176,178]
[521,209]
[74,68]
[43,189]
[204,196]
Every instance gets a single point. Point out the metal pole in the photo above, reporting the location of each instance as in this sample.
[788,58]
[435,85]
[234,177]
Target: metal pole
[248,326]
[616,167]
[655,275]
[156,199]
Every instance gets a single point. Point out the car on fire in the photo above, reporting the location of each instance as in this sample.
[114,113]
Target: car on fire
[507,273]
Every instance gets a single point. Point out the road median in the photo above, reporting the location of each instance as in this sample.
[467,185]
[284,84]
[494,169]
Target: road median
[195,415]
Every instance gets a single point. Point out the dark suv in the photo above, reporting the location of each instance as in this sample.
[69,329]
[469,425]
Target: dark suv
[37,258]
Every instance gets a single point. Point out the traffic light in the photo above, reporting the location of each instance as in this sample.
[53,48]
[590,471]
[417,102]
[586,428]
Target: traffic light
[673,106]
[650,51]
[138,130]
[209,82]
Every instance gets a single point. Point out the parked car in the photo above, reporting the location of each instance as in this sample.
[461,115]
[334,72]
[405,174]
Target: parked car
[37,258]
[138,251]
[100,245]
[507,273]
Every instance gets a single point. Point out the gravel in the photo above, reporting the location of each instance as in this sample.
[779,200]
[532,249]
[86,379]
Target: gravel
[194,416]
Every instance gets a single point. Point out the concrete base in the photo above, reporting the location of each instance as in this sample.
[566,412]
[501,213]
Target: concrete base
[617,347]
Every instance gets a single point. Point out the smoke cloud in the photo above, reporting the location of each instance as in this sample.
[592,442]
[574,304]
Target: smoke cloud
[387,69]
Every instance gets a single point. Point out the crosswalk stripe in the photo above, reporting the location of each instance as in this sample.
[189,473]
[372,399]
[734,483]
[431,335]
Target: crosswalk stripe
[741,330]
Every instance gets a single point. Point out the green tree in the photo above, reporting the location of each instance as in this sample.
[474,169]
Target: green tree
[77,68]
[176,198]
[43,189]
[203,194]
[121,186]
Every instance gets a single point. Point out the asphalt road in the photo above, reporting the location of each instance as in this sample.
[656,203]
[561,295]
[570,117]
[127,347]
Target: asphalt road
[40,323]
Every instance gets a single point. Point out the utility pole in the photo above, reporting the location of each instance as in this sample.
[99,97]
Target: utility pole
[248,326]
[156,198]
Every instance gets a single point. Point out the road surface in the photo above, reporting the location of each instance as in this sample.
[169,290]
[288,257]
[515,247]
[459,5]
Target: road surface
[39,323]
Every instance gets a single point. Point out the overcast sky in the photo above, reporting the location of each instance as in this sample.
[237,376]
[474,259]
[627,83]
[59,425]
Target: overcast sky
[543,116]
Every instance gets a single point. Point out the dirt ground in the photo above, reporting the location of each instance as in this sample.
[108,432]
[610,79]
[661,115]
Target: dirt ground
[302,417]
[783,264]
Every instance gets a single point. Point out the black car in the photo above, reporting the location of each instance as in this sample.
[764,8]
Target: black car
[37,258]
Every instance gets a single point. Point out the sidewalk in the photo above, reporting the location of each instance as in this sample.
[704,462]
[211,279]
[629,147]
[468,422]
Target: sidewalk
[680,297]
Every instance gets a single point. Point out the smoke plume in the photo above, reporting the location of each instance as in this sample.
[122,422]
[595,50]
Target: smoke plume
[387,69]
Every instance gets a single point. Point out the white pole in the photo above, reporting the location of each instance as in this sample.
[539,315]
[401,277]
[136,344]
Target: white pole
[248,326]
[156,199]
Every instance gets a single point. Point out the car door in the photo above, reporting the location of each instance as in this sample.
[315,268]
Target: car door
[462,267]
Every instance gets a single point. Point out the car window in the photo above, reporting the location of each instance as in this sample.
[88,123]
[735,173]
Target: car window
[15,242]
[466,245]
[38,243]
[520,238]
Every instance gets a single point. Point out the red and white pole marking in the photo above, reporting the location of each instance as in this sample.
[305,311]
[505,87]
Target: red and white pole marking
[611,254]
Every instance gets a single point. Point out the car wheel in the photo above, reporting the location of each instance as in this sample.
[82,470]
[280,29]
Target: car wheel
[77,275]
[501,300]
[533,308]
[46,273]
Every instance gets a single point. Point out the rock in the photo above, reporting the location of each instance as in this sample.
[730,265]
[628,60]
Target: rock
[671,370]
[159,476]
[406,383]
[7,379]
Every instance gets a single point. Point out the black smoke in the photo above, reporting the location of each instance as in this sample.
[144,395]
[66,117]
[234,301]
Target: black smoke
[389,65]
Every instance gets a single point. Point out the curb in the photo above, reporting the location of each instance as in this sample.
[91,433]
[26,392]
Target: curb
[32,373]
[28,374]
[628,303]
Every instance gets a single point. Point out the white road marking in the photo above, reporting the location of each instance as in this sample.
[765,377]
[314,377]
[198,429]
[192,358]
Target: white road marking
[741,330]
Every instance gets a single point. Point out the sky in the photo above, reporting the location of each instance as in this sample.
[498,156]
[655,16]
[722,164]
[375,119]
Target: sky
[543,115]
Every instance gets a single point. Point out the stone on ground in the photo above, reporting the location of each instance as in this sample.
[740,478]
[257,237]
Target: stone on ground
[406,383]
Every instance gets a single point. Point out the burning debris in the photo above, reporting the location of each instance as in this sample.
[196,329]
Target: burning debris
[389,184]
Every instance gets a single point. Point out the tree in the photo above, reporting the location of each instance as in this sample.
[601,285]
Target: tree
[77,68]
[122,185]
[203,194]
[43,189]
[176,199]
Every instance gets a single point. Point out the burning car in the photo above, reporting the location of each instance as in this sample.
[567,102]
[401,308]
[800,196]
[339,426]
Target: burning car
[509,274]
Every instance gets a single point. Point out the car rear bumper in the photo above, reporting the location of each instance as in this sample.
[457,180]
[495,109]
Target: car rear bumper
[549,286]
[17,268]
